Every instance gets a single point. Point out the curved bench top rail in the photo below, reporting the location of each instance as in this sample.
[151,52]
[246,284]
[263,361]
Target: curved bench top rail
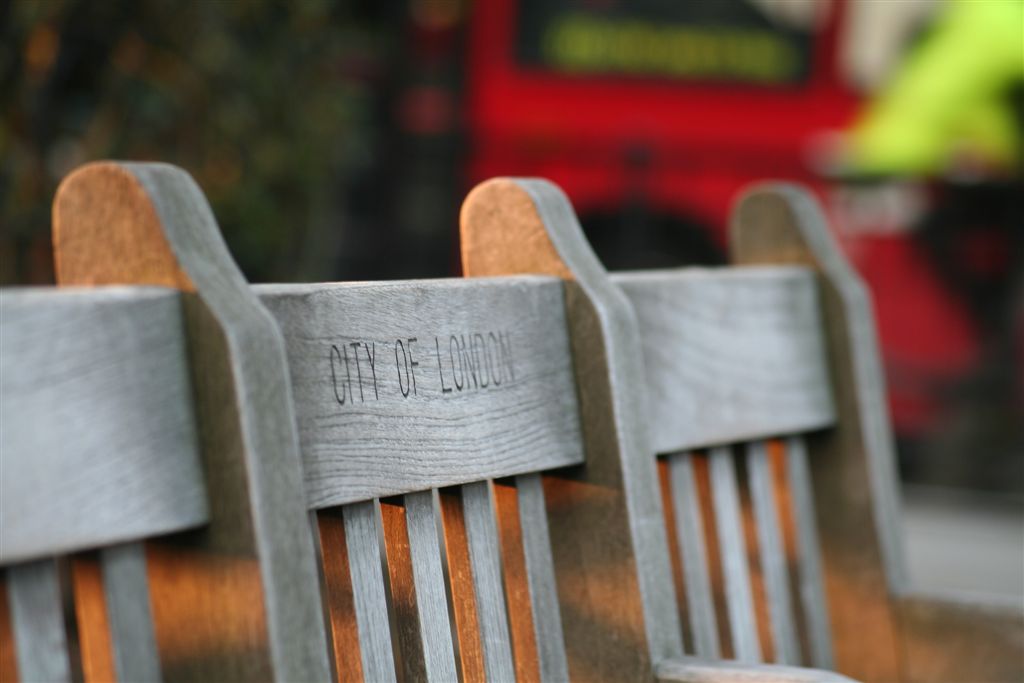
[410,385]
[98,440]
[731,354]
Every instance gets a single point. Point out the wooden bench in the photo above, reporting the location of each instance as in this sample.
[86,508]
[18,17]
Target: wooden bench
[371,463]
[743,355]
[400,464]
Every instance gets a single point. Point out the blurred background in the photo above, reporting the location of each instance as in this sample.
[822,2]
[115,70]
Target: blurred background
[335,141]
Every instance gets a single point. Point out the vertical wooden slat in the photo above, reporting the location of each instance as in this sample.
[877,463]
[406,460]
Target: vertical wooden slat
[340,602]
[406,625]
[743,629]
[773,557]
[362,528]
[540,572]
[692,547]
[485,559]
[128,611]
[812,590]
[37,617]
[517,586]
[460,574]
[96,650]
[428,576]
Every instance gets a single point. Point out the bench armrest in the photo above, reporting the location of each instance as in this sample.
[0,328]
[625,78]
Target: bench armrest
[692,670]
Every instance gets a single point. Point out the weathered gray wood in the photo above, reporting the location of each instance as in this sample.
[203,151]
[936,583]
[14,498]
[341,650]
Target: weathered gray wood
[165,233]
[37,619]
[512,226]
[812,591]
[696,671]
[692,547]
[406,386]
[126,591]
[739,601]
[773,554]
[540,575]
[730,354]
[428,575]
[98,441]
[484,555]
[853,464]
[362,534]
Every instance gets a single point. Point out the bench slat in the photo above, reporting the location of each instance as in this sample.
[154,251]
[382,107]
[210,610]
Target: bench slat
[128,611]
[540,574]
[406,386]
[773,554]
[692,548]
[362,524]
[812,589]
[99,443]
[37,619]
[485,558]
[460,573]
[730,355]
[742,627]
[431,601]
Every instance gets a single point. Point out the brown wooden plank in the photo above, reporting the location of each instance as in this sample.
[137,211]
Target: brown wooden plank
[517,588]
[339,601]
[403,590]
[94,641]
[130,618]
[460,576]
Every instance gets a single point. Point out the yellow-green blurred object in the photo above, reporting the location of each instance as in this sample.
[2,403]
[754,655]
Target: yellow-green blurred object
[950,97]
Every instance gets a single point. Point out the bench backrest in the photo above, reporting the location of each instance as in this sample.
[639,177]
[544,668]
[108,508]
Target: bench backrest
[98,450]
[740,356]
[430,417]
[240,601]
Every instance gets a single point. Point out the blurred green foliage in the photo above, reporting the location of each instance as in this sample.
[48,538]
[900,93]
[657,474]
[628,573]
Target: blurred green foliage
[267,104]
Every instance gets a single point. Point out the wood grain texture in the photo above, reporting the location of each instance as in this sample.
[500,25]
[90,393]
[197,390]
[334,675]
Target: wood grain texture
[407,386]
[362,534]
[517,588]
[809,576]
[405,623]
[339,600]
[117,223]
[692,548]
[95,649]
[422,519]
[774,563]
[488,589]
[605,519]
[853,465]
[37,618]
[739,600]
[698,671]
[731,354]
[460,577]
[98,442]
[540,577]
